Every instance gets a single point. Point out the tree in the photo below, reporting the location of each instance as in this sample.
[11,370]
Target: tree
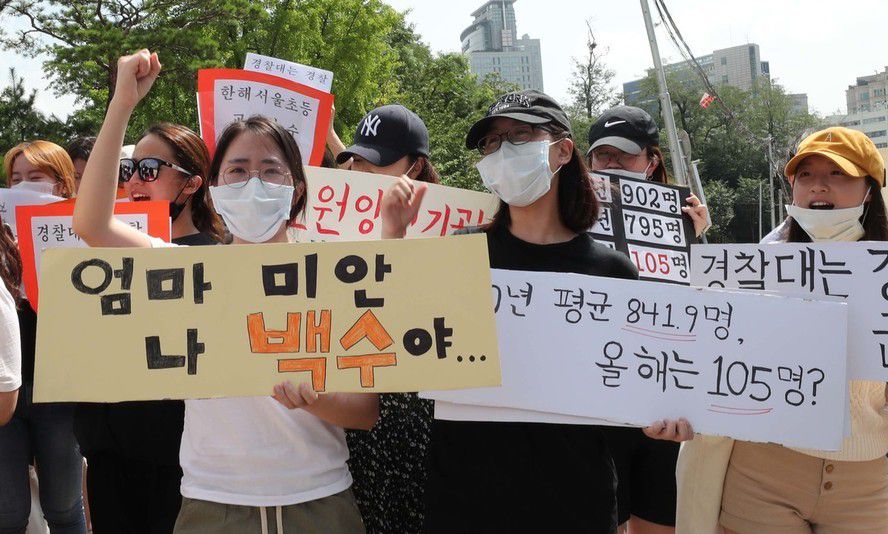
[20,119]
[590,85]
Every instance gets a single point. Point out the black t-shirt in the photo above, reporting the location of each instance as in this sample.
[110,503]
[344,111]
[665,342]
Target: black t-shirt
[518,477]
[150,431]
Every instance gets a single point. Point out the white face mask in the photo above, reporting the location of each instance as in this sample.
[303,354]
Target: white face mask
[518,174]
[254,212]
[830,225]
[638,175]
[37,187]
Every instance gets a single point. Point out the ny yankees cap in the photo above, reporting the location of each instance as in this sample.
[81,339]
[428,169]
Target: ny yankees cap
[627,128]
[387,134]
[530,106]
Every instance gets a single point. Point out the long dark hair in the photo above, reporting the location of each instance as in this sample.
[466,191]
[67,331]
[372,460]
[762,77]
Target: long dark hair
[265,127]
[659,175]
[427,173]
[192,154]
[875,220]
[577,203]
[10,263]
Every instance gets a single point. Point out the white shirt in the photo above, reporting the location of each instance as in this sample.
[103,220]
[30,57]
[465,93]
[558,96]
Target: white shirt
[10,343]
[252,451]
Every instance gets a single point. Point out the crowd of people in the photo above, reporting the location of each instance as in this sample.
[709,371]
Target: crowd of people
[300,461]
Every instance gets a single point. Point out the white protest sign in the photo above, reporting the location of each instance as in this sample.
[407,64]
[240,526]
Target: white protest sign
[228,95]
[320,79]
[644,220]
[637,352]
[346,206]
[12,198]
[857,272]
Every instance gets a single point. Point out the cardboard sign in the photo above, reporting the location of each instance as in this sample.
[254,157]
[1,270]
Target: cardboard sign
[197,322]
[345,206]
[10,199]
[644,220]
[637,352]
[320,79]
[856,272]
[228,95]
[51,226]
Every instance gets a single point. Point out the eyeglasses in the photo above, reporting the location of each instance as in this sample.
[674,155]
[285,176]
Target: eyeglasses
[517,136]
[606,157]
[271,177]
[148,169]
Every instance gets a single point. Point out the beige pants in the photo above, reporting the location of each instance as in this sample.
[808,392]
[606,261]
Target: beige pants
[336,514]
[770,489]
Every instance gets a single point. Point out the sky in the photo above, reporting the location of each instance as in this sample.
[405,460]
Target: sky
[813,46]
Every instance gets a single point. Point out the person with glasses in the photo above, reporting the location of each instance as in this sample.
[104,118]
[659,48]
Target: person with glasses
[516,476]
[251,461]
[625,140]
[38,433]
[132,448]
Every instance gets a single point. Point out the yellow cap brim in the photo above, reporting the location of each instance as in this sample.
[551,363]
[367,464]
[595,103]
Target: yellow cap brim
[847,166]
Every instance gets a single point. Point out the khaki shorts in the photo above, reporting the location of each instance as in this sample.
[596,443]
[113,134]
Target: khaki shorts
[770,489]
[336,514]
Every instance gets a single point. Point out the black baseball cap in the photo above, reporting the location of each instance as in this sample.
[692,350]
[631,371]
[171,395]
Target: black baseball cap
[625,127]
[530,106]
[387,134]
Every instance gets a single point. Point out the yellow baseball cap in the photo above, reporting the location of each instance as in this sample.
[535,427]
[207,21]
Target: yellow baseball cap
[851,150]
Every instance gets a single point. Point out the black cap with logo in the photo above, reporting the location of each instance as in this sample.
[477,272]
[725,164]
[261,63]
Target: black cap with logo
[387,134]
[627,128]
[530,106]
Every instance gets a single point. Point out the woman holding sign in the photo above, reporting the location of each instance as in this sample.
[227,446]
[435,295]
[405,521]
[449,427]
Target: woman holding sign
[498,476]
[241,456]
[132,448]
[625,140]
[837,178]
[39,433]
[388,462]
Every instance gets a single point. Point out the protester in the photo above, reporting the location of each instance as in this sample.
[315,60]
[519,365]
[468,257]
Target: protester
[132,448]
[388,463]
[39,433]
[10,344]
[625,140]
[241,456]
[494,476]
[837,178]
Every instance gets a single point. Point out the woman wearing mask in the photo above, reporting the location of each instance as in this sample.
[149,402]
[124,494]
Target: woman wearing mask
[42,433]
[837,178]
[625,140]
[493,476]
[132,448]
[241,456]
[388,462]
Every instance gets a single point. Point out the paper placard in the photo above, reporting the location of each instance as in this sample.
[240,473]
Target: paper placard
[227,95]
[644,220]
[638,352]
[320,79]
[345,206]
[198,322]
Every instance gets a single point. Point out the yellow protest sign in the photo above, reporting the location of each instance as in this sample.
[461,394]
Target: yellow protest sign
[201,322]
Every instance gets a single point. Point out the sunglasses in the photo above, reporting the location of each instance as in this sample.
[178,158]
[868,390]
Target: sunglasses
[148,169]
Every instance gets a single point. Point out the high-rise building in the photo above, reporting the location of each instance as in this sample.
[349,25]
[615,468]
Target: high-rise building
[869,94]
[873,123]
[738,66]
[492,45]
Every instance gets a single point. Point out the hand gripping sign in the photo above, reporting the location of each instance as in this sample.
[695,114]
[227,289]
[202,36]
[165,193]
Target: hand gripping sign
[227,95]
[197,322]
